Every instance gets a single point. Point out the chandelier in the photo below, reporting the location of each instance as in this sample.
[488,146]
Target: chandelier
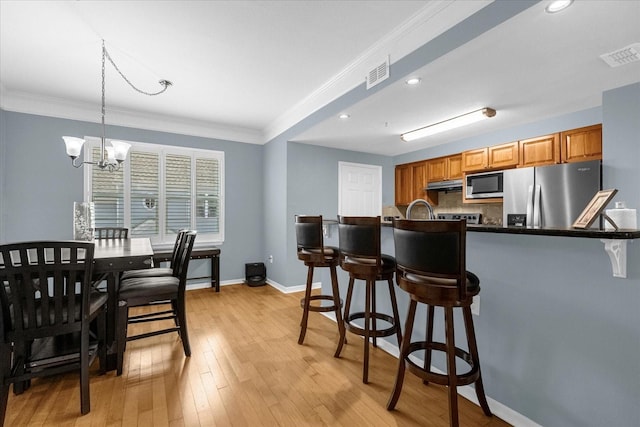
[110,157]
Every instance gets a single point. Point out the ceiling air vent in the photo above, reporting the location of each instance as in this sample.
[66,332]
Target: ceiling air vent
[378,74]
[622,56]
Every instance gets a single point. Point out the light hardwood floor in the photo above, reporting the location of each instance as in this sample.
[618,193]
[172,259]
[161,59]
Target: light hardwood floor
[246,369]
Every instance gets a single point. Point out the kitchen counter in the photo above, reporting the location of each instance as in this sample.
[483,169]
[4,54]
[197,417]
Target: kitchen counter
[622,234]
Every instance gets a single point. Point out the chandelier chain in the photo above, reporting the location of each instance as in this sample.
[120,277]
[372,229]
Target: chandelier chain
[165,83]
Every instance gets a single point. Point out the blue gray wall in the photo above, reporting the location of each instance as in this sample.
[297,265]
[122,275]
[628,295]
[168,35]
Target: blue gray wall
[40,185]
[558,334]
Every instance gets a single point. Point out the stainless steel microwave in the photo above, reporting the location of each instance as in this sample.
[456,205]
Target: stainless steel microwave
[484,185]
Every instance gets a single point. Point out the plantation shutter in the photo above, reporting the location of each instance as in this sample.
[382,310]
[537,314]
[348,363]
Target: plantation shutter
[207,195]
[145,190]
[107,194]
[177,192]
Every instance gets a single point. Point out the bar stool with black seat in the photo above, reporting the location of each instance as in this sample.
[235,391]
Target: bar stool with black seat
[361,257]
[313,253]
[431,267]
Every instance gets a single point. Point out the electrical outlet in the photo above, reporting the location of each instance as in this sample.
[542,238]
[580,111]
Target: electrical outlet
[475,305]
[270,259]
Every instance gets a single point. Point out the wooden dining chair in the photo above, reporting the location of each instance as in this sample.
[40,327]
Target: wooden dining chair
[146,291]
[160,271]
[111,233]
[46,307]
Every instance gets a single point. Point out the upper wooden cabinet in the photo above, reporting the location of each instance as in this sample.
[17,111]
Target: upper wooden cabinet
[540,151]
[411,180]
[475,160]
[582,144]
[503,156]
[444,168]
[404,179]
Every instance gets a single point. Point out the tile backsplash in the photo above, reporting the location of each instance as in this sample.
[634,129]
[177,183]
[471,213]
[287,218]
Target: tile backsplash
[452,203]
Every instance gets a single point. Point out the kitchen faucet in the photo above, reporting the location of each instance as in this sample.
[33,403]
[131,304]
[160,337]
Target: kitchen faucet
[422,202]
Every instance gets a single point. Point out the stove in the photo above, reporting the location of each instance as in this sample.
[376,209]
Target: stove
[472,218]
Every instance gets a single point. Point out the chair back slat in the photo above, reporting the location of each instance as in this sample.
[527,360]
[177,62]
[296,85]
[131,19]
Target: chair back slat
[45,287]
[113,233]
[435,252]
[183,260]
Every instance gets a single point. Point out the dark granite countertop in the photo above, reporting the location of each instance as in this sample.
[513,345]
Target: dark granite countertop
[564,231]
[623,234]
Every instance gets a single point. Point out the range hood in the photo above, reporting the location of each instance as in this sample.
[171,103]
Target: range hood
[453,185]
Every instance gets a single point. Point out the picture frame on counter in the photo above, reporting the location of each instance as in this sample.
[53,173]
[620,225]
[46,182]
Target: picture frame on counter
[594,208]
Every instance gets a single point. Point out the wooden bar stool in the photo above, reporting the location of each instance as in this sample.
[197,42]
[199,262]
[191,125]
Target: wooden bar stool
[431,266]
[360,256]
[312,251]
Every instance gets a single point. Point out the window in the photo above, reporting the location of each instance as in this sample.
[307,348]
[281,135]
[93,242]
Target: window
[159,190]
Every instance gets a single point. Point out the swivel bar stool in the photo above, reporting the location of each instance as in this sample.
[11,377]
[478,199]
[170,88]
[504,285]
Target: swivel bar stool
[312,251]
[360,256]
[431,266]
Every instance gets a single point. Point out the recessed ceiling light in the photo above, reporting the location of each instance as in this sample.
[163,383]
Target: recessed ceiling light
[344,116]
[557,6]
[413,81]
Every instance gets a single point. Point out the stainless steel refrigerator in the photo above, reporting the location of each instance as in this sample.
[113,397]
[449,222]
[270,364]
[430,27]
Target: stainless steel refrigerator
[550,196]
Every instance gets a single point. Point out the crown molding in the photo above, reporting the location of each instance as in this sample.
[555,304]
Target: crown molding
[22,102]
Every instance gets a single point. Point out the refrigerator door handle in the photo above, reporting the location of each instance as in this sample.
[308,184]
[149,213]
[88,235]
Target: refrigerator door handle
[530,206]
[536,207]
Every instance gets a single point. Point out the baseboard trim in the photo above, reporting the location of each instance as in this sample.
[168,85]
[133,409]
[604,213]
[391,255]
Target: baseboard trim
[498,409]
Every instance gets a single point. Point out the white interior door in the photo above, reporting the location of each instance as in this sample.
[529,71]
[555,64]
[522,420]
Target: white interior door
[360,189]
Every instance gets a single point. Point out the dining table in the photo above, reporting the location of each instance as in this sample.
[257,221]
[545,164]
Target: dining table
[112,257]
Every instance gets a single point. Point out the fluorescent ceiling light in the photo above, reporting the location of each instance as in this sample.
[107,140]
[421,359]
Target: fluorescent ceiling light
[448,124]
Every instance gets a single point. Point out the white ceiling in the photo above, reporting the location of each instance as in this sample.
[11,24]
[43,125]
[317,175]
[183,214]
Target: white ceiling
[248,70]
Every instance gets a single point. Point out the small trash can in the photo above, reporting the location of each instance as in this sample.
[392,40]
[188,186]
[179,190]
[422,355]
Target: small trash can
[255,274]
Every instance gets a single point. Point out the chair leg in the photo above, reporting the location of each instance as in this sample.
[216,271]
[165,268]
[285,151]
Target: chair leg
[102,342]
[307,301]
[336,302]
[404,353]
[374,311]
[473,350]
[85,402]
[367,330]
[347,302]
[396,315]
[121,333]
[451,366]
[182,320]
[429,340]
[5,369]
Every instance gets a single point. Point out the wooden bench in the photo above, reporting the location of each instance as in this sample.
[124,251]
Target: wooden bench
[211,253]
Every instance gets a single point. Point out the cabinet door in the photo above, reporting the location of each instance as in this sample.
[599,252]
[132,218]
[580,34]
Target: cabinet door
[454,164]
[474,160]
[540,151]
[419,177]
[504,156]
[437,169]
[403,185]
[579,145]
